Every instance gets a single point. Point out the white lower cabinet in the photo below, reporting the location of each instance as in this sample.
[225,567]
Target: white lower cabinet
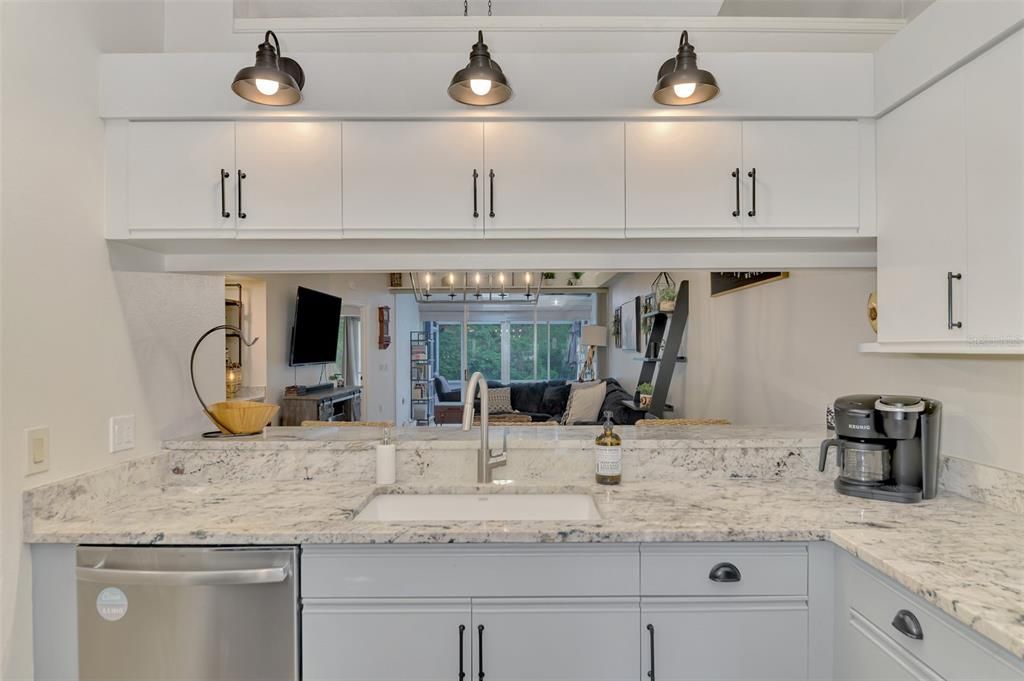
[588,639]
[385,639]
[779,611]
[706,639]
[882,632]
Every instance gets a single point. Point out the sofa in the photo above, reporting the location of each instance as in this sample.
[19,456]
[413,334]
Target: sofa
[547,400]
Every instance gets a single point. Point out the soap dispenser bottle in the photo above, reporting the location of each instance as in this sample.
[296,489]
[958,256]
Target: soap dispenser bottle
[609,454]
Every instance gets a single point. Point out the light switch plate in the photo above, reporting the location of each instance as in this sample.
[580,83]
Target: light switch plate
[37,448]
[122,433]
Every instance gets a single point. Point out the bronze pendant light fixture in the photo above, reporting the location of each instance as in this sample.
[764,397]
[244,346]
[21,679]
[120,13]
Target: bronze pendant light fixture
[481,82]
[274,80]
[680,82]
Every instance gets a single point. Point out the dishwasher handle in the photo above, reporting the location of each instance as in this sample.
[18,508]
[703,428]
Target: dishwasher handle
[269,575]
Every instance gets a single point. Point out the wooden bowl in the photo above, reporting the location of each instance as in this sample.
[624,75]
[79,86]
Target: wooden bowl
[243,418]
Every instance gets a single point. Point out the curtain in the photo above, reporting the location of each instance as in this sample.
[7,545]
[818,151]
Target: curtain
[353,349]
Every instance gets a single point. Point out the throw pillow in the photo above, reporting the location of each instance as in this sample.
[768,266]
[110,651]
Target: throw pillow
[585,401]
[555,399]
[499,400]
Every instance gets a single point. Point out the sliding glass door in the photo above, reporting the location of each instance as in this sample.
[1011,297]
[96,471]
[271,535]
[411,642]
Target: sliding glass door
[506,343]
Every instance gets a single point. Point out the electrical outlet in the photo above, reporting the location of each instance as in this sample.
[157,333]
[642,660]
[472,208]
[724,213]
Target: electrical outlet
[37,445]
[122,433]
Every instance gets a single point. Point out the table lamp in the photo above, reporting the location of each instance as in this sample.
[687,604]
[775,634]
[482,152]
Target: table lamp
[593,337]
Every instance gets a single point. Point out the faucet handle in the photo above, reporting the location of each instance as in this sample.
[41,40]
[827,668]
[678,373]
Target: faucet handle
[504,439]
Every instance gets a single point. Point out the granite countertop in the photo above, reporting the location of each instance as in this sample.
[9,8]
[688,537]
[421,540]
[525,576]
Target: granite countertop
[962,556]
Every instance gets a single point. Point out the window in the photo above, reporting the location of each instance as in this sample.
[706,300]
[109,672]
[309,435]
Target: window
[449,351]
[508,345]
[522,351]
[563,349]
[483,349]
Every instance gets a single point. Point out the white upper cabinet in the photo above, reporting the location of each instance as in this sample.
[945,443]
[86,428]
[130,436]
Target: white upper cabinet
[683,178]
[414,179]
[289,178]
[172,175]
[995,193]
[801,174]
[922,231]
[554,179]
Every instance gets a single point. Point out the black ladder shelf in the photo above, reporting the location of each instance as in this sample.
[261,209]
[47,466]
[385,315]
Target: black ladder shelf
[664,359]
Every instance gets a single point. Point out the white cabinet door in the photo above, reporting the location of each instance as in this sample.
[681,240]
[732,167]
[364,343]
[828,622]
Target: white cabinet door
[385,640]
[921,216]
[806,174]
[586,639]
[290,178]
[174,178]
[414,179]
[554,179]
[683,178]
[731,639]
[995,193]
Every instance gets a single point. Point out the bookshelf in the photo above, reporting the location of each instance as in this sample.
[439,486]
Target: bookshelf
[421,390]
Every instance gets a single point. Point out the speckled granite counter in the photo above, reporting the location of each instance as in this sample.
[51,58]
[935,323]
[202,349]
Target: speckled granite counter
[965,557]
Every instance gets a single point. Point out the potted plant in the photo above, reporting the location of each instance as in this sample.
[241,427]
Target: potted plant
[646,392]
[667,300]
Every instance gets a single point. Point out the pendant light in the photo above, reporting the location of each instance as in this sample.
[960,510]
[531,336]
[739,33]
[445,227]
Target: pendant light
[481,83]
[273,80]
[680,82]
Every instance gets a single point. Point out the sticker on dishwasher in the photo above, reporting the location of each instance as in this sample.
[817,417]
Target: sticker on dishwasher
[112,604]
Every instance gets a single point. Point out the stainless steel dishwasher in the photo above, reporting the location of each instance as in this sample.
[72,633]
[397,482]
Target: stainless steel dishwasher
[201,614]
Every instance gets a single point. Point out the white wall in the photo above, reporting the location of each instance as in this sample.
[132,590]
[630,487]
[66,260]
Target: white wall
[368,291]
[778,353]
[405,318]
[81,342]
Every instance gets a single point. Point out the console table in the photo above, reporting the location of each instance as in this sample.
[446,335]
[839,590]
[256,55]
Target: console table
[339,404]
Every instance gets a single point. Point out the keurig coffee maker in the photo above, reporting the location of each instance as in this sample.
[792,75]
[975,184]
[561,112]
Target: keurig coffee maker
[887,447]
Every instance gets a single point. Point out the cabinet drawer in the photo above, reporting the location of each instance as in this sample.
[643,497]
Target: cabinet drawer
[685,570]
[470,571]
[953,654]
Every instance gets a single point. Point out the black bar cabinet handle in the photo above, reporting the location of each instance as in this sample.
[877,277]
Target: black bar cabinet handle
[907,624]
[950,324]
[241,213]
[753,192]
[476,175]
[650,630]
[462,652]
[724,572]
[223,205]
[492,192]
[480,651]
[736,174]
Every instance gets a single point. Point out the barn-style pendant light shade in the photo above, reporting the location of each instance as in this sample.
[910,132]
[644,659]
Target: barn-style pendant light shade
[273,80]
[481,83]
[680,82]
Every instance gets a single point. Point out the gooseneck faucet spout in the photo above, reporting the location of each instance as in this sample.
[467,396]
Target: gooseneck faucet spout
[485,463]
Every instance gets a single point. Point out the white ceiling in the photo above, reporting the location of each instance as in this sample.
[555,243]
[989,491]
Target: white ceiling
[553,26]
[854,9]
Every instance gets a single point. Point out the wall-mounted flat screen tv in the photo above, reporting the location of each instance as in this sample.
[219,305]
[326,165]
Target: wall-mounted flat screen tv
[315,331]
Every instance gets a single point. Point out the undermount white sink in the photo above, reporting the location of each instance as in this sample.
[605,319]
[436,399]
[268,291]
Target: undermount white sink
[427,507]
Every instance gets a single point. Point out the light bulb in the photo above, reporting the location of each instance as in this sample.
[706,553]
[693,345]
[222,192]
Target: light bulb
[479,86]
[684,90]
[267,87]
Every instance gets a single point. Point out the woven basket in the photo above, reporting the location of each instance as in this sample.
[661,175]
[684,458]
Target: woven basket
[243,418]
